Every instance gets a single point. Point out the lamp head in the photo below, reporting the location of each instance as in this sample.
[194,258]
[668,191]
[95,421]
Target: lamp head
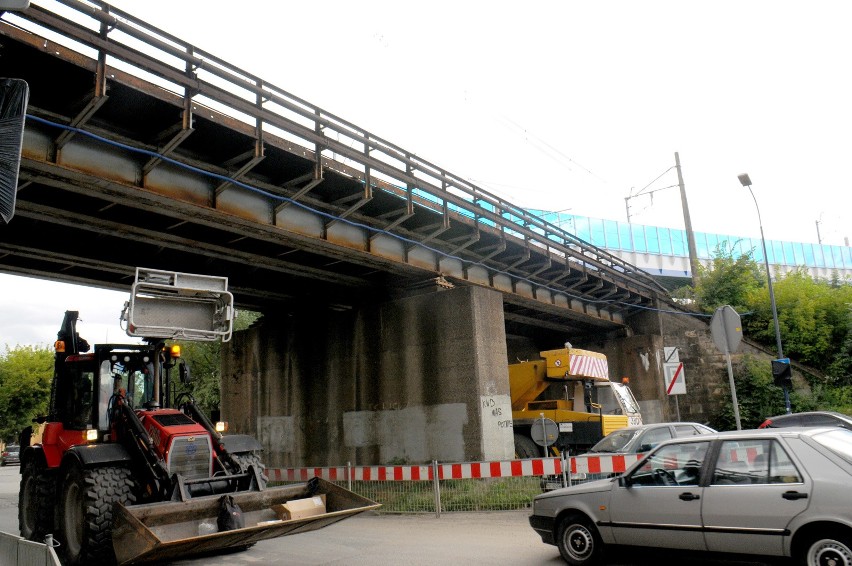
[744,179]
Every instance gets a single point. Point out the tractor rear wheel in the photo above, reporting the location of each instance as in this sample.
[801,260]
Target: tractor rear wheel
[246,459]
[36,501]
[86,512]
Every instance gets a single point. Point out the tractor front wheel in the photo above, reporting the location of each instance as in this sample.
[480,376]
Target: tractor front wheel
[86,512]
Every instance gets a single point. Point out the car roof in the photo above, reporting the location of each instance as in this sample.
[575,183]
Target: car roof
[832,413]
[659,425]
[759,432]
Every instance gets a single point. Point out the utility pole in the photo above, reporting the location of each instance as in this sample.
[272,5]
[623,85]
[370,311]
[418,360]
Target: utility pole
[690,237]
[819,238]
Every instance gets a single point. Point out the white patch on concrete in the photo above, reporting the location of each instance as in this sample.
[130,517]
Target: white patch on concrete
[276,434]
[646,363]
[412,434]
[359,429]
[498,441]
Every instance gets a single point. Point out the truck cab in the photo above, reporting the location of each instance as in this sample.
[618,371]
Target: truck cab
[590,405]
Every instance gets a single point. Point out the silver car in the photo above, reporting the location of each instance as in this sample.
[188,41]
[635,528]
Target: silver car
[770,492]
[633,440]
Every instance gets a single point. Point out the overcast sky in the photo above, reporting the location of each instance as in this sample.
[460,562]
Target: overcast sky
[554,105]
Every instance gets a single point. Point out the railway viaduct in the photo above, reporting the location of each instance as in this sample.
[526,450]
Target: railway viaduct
[393,292]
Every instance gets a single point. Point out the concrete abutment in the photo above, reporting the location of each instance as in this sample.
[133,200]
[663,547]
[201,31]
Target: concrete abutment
[410,380]
[425,377]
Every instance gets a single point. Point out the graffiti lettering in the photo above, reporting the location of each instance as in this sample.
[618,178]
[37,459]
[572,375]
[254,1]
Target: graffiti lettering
[505,424]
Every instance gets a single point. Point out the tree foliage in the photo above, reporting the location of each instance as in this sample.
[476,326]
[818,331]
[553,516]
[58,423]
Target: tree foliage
[815,321]
[758,397]
[729,280]
[25,376]
[813,316]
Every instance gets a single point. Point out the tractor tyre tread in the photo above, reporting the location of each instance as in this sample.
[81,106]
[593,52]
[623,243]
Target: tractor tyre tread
[246,459]
[102,488]
[40,500]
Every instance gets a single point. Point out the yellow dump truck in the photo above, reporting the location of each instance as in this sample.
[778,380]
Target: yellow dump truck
[587,407]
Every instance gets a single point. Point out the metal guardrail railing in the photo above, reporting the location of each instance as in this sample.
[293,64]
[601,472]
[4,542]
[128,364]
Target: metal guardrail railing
[209,80]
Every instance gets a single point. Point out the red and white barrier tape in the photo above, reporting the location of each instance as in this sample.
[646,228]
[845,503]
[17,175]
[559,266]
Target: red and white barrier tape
[468,470]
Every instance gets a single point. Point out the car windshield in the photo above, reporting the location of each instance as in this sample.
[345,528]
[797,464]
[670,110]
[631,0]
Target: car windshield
[838,441]
[627,398]
[615,441]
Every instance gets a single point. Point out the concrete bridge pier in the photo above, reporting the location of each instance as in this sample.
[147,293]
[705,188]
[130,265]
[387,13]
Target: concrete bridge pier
[410,380]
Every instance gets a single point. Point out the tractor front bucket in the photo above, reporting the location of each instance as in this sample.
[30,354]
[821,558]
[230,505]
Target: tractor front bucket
[169,530]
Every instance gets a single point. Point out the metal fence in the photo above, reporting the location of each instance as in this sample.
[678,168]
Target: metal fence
[467,486]
[22,552]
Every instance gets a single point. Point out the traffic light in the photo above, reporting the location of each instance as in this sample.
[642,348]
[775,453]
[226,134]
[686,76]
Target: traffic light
[782,373]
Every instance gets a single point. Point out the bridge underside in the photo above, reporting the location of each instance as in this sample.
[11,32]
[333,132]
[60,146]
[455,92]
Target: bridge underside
[176,171]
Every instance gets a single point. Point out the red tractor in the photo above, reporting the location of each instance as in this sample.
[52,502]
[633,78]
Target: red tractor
[128,471]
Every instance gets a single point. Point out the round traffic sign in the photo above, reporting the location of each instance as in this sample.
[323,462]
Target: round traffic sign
[544,432]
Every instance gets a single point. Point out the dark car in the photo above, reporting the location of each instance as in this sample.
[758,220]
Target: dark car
[11,455]
[810,418]
[635,440]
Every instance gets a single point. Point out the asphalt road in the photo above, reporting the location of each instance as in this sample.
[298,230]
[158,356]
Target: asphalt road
[493,538]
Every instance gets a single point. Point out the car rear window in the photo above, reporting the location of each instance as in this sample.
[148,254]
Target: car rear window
[786,420]
[838,441]
[820,420]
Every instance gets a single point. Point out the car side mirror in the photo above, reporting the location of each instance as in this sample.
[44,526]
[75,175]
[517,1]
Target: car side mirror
[624,481]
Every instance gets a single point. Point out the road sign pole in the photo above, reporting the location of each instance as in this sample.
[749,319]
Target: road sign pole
[733,390]
[727,334]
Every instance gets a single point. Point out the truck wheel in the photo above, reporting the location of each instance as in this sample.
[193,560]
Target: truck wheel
[526,448]
[85,513]
[36,501]
[579,542]
[246,459]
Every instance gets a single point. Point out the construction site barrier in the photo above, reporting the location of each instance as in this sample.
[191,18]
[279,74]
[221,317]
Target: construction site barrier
[579,465]
[462,486]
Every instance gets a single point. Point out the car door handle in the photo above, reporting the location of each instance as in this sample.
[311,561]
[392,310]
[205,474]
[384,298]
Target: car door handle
[689,496]
[791,495]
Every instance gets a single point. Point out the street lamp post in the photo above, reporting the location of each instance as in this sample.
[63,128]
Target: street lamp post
[745,180]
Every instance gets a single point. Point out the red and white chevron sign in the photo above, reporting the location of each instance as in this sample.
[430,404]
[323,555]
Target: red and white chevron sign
[468,470]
